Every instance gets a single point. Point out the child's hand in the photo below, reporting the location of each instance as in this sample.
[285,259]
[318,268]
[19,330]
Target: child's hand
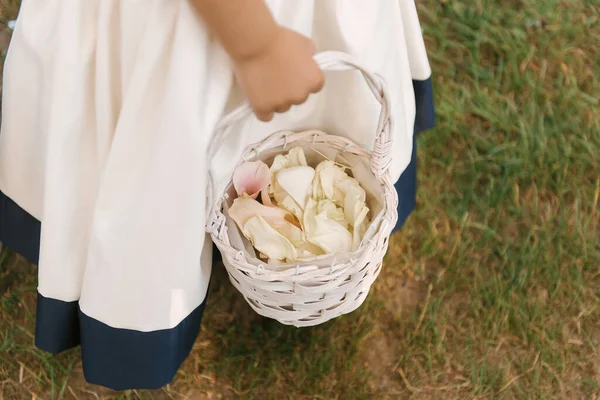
[274,65]
[280,74]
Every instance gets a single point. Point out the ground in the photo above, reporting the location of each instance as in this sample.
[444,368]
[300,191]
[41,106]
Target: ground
[492,289]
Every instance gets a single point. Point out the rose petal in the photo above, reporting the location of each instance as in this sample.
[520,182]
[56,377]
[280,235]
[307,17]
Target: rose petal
[360,226]
[334,213]
[297,182]
[309,250]
[359,230]
[268,241]
[277,191]
[266,199]
[244,208]
[329,175]
[294,158]
[354,204]
[324,232]
[290,205]
[297,157]
[349,184]
[280,162]
[251,177]
[291,232]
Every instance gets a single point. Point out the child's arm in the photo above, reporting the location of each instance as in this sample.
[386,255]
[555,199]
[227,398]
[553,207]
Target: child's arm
[274,65]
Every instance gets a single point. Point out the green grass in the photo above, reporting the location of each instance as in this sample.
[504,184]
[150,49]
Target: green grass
[491,291]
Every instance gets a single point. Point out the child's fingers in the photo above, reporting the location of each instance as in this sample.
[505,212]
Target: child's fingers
[299,99]
[319,83]
[283,108]
[264,116]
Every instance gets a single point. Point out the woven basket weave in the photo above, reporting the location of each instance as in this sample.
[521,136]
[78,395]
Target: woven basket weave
[310,293]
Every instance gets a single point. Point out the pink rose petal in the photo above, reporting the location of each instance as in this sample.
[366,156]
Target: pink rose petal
[244,208]
[251,178]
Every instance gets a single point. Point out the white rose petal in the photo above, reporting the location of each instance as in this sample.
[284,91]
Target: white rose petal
[294,158]
[280,162]
[360,226]
[308,250]
[268,241]
[290,231]
[332,211]
[354,205]
[348,185]
[329,174]
[325,232]
[297,157]
[297,182]
[359,233]
[279,194]
[332,182]
[290,205]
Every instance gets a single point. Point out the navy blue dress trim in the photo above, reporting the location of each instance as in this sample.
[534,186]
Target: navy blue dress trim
[118,359]
[56,325]
[123,359]
[407,190]
[424,120]
[425,108]
[19,231]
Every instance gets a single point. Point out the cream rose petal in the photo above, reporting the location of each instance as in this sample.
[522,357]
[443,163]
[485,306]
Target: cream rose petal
[266,199]
[332,211]
[348,185]
[290,205]
[289,230]
[317,191]
[268,241]
[329,176]
[325,232]
[277,191]
[280,162]
[359,233]
[355,211]
[354,204]
[360,227]
[244,208]
[307,250]
[297,157]
[294,158]
[297,182]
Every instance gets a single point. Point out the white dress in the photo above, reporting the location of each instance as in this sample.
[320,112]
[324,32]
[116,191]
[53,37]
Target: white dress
[108,108]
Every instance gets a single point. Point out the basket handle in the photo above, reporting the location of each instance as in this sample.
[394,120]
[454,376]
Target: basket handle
[327,61]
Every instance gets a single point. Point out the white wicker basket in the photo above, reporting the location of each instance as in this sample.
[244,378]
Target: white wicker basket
[314,292]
